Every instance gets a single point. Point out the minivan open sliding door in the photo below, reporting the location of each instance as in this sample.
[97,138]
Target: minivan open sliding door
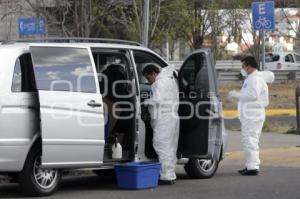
[71,110]
[199,110]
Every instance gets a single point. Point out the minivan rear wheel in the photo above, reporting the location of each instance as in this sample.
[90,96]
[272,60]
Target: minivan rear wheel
[38,181]
[201,168]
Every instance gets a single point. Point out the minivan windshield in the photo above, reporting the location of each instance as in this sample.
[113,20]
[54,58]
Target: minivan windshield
[297,58]
[272,57]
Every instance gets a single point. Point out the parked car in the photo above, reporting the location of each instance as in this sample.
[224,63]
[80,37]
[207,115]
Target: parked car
[54,108]
[282,61]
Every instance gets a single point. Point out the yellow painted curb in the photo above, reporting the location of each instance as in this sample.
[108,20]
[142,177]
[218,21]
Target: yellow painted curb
[269,112]
[230,113]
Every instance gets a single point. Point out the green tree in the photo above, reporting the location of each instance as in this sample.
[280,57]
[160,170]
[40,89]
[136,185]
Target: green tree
[135,20]
[239,21]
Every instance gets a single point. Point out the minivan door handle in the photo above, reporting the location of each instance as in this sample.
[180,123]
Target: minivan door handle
[93,104]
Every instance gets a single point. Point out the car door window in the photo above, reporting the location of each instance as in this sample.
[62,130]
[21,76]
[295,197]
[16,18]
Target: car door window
[17,78]
[23,78]
[64,69]
[194,76]
[142,59]
[289,58]
[115,66]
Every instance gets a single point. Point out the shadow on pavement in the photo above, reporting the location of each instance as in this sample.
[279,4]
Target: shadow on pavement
[282,182]
[68,184]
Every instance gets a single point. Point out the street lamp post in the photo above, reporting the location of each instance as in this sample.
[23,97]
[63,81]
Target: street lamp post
[146,22]
[7,23]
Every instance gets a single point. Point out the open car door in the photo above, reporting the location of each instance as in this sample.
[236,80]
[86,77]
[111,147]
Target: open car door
[200,108]
[71,109]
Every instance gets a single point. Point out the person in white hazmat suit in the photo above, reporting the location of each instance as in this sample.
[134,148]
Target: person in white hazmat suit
[163,108]
[253,99]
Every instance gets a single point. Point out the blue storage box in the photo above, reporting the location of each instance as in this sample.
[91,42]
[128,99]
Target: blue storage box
[137,175]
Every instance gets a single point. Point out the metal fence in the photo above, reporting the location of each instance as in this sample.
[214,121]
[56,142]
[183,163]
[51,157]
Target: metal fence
[220,64]
[280,76]
[229,71]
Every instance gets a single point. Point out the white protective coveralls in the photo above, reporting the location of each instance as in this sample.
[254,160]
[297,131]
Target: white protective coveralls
[268,76]
[163,109]
[253,99]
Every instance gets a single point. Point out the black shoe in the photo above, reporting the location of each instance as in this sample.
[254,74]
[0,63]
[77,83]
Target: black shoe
[252,172]
[166,182]
[242,170]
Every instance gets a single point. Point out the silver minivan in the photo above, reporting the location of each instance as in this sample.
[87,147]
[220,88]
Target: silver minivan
[57,97]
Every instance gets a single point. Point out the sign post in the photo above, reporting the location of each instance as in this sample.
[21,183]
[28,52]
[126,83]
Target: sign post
[263,19]
[298,107]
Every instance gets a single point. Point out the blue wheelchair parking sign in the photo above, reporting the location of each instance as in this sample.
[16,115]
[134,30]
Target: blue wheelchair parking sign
[32,25]
[263,15]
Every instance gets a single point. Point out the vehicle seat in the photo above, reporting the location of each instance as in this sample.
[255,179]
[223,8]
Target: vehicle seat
[114,72]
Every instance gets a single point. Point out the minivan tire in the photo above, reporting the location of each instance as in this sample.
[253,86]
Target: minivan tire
[29,183]
[201,168]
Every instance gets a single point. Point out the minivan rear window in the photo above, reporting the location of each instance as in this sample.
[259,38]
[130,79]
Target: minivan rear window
[23,78]
[63,69]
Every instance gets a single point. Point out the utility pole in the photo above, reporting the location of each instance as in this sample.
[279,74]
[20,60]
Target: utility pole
[146,22]
[167,48]
[7,23]
[263,59]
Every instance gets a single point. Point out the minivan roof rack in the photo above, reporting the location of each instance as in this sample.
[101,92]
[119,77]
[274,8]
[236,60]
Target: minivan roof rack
[72,40]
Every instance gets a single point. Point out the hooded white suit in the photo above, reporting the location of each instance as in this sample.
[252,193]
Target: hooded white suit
[253,99]
[164,120]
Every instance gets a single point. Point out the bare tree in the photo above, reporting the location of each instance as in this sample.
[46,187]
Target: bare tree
[10,9]
[80,18]
[205,22]
[136,20]
[199,26]
[239,21]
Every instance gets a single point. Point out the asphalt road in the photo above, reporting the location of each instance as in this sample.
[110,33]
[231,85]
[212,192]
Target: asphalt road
[273,182]
[267,140]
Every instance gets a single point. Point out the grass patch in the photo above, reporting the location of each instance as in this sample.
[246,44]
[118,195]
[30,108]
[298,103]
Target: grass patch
[293,130]
[275,128]
[268,127]
[282,95]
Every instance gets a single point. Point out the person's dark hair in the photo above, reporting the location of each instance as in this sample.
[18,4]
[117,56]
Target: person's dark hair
[150,69]
[250,60]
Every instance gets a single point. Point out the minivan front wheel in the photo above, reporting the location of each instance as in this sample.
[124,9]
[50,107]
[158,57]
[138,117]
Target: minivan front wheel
[201,168]
[38,181]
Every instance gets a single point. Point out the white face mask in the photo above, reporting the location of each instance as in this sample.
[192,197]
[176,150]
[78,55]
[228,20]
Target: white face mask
[243,72]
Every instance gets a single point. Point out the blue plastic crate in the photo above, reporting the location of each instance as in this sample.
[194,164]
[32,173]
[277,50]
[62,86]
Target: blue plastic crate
[137,175]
